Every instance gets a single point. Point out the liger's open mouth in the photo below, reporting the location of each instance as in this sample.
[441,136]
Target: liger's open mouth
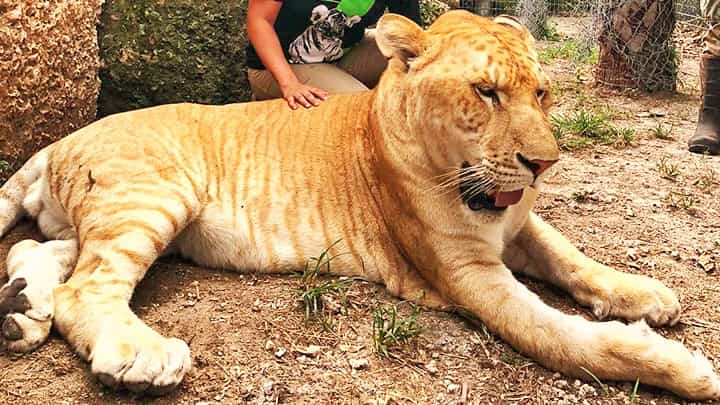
[476,197]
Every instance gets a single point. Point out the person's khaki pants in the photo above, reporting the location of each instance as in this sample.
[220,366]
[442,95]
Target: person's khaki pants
[358,70]
[711,13]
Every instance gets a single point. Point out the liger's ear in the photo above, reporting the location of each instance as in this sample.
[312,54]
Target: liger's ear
[399,38]
[513,22]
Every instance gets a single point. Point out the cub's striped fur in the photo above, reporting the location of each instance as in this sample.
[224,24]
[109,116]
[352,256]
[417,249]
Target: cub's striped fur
[429,181]
[322,41]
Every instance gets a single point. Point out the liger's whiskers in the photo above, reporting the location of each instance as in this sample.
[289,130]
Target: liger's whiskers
[456,177]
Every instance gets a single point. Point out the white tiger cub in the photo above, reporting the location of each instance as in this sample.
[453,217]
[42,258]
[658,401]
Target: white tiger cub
[322,41]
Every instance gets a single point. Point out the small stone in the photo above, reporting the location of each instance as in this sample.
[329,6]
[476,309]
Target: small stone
[280,352]
[587,390]
[707,263]
[431,367]
[359,364]
[269,345]
[675,255]
[657,112]
[268,387]
[577,383]
[556,375]
[310,351]
[453,388]
[562,384]
[632,254]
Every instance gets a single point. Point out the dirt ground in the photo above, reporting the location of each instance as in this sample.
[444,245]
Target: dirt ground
[250,341]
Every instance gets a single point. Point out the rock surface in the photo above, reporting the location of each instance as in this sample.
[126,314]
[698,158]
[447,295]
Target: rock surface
[48,70]
[172,51]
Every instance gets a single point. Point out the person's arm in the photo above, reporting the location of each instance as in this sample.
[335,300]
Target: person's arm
[261,32]
[407,8]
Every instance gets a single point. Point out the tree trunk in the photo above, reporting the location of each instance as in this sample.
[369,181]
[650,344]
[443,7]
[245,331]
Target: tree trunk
[636,45]
[534,14]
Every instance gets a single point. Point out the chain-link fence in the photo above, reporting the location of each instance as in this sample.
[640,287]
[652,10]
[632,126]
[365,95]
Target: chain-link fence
[687,11]
[637,39]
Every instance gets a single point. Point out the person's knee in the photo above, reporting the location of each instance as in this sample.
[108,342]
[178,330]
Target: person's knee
[331,79]
[263,85]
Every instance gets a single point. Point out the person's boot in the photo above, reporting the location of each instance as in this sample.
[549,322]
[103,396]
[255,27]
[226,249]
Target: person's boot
[707,134]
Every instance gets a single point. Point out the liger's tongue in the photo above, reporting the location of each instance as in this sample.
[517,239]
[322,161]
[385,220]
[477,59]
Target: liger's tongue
[505,198]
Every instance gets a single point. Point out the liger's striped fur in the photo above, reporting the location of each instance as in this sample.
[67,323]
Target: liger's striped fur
[257,187]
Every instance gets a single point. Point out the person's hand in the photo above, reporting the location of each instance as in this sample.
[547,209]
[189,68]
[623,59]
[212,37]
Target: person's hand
[296,93]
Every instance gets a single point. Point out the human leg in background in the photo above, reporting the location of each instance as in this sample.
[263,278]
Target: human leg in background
[707,135]
[364,61]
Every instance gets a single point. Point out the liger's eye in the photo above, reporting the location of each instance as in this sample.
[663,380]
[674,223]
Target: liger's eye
[488,92]
[540,93]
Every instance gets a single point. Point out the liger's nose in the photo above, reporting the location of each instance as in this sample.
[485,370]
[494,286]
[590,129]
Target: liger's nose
[537,166]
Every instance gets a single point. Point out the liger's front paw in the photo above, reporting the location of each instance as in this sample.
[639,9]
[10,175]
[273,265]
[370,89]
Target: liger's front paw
[635,297]
[152,365]
[25,317]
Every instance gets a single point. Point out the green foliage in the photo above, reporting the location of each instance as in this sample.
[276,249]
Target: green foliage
[6,170]
[662,132]
[571,50]
[314,291]
[169,51]
[388,329]
[586,127]
[570,7]
[505,6]
[431,10]
[580,196]
[550,32]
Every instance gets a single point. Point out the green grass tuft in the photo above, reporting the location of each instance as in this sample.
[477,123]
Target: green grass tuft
[681,200]
[587,127]
[707,179]
[571,50]
[5,171]
[668,170]
[662,132]
[315,291]
[550,32]
[389,329]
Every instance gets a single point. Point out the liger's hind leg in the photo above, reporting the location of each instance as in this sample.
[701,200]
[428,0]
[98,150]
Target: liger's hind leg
[26,301]
[92,310]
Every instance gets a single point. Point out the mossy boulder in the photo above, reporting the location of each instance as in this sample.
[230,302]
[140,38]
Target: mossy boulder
[157,52]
